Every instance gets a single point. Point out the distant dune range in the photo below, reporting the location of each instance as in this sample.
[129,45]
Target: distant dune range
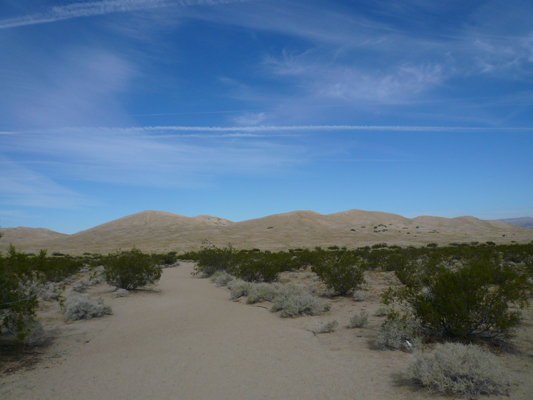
[163,231]
[524,222]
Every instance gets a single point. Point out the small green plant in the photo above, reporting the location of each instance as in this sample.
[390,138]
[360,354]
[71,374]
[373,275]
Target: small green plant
[130,269]
[328,327]
[454,368]
[359,320]
[344,274]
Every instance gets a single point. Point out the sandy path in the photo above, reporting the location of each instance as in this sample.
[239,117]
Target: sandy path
[187,341]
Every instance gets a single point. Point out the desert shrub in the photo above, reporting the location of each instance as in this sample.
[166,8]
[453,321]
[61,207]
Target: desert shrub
[473,299]
[359,320]
[381,312]
[222,278]
[18,292]
[49,291]
[293,301]
[328,327]
[360,295]
[343,274]
[28,331]
[80,306]
[130,269]
[165,259]
[239,288]
[397,335]
[81,285]
[454,368]
[262,292]
[121,293]
[212,259]
[257,268]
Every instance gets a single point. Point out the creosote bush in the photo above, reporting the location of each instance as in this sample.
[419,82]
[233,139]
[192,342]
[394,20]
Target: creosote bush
[131,269]
[344,274]
[454,368]
[477,298]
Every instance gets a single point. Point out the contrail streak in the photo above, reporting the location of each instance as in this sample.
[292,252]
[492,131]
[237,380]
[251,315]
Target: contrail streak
[77,10]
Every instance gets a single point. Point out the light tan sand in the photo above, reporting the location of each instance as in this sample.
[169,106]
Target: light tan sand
[186,340]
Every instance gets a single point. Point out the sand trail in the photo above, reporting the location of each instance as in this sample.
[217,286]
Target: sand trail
[185,340]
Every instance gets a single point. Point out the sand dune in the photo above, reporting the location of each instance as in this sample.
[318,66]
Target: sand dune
[163,231]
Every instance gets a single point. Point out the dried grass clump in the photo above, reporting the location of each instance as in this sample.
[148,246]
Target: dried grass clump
[454,368]
[294,301]
[262,292]
[397,335]
[81,306]
[359,321]
[328,327]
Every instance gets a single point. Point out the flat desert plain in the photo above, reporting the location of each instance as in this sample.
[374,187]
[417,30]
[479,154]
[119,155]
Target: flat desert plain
[183,338]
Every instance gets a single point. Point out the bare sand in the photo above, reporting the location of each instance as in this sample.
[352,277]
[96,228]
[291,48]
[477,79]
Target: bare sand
[184,339]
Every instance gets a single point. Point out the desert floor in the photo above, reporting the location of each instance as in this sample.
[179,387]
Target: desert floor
[184,339]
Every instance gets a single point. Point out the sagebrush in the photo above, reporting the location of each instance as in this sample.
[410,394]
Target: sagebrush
[455,368]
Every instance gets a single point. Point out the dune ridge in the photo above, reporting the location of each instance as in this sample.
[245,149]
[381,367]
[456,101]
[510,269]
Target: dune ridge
[163,231]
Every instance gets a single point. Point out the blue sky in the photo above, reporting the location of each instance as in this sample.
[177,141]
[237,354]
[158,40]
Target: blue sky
[242,109]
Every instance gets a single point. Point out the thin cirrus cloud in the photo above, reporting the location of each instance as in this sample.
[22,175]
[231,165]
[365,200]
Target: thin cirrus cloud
[138,157]
[77,10]
[23,186]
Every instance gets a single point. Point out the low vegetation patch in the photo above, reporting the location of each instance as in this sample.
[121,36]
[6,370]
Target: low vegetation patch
[479,297]
[454,368]
[131,269]
[80,306]
[294,301]
[397,335]
[359,320]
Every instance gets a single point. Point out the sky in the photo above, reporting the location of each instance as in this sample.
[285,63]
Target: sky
[242,109]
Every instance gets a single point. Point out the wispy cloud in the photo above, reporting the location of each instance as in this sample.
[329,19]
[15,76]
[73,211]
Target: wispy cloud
[77,10]
[250,118]
[22,186]
[139,157]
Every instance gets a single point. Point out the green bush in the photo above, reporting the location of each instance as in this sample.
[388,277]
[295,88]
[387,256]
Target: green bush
[18,292]
[344,274]
[257,268]
[472,299]
[212,259]
[130,269]
[459,369]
